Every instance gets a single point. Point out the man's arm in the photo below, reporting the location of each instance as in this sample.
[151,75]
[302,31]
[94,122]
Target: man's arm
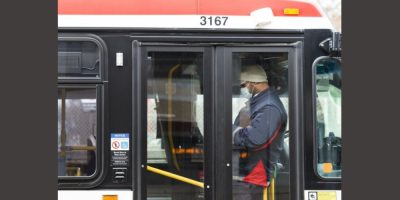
[261,128]
[242,120]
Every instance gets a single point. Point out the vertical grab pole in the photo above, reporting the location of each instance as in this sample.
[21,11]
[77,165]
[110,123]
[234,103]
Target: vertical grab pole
[170,96]
[273,189]
[265,193]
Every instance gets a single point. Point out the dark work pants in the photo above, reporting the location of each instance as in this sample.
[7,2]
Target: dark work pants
[246,191]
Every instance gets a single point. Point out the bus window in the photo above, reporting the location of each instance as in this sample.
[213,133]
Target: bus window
[77,130]
[175,124]
[328,112]
[260,150]
[77,59]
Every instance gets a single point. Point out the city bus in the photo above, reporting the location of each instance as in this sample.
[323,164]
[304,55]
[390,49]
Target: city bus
[148,91]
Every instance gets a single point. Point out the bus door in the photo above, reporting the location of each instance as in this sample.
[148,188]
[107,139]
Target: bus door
[240,162]
[189,98]
[174,146]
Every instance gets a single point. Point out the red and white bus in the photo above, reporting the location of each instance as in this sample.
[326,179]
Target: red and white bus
[148,91]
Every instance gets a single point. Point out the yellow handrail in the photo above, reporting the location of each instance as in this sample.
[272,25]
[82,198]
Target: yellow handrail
[176,177]
[265,193]
[200,184]
[273,189]
[170,96]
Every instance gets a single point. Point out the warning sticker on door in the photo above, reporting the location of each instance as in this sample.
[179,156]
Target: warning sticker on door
[119,142]
[312,195]
[322,195]
[326,195]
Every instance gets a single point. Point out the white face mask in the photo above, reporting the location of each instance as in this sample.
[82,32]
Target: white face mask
[245,93]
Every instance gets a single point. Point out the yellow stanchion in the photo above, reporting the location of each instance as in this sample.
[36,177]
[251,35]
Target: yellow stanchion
[170,109]
[265,193]
[176,177]
[78,172]
[273,189]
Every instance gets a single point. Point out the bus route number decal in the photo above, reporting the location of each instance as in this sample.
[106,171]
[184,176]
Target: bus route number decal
[210,21]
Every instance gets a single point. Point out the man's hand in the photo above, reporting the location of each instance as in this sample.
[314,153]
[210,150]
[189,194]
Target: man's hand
[244,118]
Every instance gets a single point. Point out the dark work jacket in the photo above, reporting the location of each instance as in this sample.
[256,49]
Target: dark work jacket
[263,138]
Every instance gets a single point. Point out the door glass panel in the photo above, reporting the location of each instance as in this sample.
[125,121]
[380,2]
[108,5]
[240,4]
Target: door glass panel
[328,82]
[175,124]
[260,132]
[77,130]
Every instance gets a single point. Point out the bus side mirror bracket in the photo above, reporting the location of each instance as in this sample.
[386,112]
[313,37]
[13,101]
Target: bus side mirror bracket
[332,45]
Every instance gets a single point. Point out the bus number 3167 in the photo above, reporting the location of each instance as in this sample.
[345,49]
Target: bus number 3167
[210,20]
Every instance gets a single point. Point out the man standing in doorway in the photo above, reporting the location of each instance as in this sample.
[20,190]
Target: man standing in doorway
[259,129]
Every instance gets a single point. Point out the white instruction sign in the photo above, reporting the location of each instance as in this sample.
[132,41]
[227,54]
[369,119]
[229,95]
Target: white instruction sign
[119,142]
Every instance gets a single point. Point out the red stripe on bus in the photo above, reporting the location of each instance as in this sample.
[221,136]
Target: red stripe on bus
[181,7]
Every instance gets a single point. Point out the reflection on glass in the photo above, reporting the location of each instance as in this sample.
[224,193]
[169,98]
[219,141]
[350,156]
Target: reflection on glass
[329,117]
[175,124]
[260,150]
[78,59]
[77,129]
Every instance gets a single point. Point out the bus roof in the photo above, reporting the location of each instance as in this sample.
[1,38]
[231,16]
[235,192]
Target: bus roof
[215,14]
